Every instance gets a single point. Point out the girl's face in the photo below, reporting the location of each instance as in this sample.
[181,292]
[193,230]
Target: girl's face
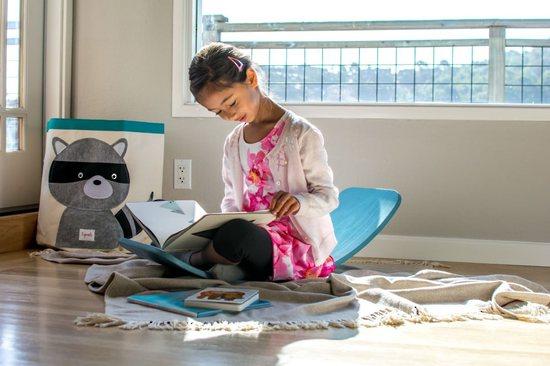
[239,102]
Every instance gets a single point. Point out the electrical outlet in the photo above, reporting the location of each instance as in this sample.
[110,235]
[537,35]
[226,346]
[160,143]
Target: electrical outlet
[182,174]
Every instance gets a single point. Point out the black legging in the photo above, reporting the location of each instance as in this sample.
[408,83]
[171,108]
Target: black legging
[249,245]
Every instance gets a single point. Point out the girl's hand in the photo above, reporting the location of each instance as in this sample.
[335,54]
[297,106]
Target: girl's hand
[283,203]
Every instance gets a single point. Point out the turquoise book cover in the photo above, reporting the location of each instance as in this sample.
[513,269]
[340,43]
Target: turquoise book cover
[174,302]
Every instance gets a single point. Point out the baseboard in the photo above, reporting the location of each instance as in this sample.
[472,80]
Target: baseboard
[17,232]
[459,250]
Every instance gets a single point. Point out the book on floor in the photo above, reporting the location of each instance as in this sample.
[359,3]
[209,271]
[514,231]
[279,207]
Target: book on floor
[174,302]
[180,226]
[230,299]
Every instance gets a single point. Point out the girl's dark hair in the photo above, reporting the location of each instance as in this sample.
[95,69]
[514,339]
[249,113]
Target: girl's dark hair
[220,64]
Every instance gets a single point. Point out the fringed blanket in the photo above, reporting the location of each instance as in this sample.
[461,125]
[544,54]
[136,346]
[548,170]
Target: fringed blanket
[349,299]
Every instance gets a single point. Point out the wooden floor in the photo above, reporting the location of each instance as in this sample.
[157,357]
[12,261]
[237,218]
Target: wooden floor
[39,300]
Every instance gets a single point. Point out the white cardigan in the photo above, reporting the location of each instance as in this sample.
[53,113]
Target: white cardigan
[299,166]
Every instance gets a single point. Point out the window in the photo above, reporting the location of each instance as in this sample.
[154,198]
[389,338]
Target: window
[390,74]
[330,54]
[13,109]
[21,103]
[528,74]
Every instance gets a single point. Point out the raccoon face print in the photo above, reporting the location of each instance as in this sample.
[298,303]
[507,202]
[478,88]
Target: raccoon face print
[89,173]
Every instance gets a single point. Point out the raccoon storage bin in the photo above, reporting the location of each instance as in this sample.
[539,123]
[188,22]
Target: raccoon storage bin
[91,168]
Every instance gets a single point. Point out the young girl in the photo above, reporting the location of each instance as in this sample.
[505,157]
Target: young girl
[272,160]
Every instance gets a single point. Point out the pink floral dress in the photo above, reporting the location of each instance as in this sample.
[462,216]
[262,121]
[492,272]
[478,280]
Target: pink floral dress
[292,257]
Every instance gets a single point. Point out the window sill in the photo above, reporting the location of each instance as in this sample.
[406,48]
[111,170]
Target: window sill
[402,111]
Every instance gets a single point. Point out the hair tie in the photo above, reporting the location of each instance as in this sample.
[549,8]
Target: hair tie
[238,63]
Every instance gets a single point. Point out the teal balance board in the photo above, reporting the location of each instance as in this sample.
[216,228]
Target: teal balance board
[360,216]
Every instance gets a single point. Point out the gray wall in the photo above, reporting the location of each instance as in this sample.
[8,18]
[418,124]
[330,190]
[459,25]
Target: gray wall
[462,179]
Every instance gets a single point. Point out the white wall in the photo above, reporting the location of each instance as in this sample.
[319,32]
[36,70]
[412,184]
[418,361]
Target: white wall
[461,179]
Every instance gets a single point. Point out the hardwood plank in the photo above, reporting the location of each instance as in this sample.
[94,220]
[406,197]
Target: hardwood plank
[40,300]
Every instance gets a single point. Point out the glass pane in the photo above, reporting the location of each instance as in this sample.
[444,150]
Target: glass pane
[277,57]
[367,93]
[424,74]
[368,55]
[350,74]
[513,56]
[350,93]
[480,93]
[277,91]
[462,55]
[295,57]
[546,56]
[481,55]
[13,134]
[513,94]
[13,44]
[513,75]
[386,93]
[405,93]
[405,74]
[295,92]
[532,75]
[331,74]
[386,73]
[350,56]
[264,74]
[546,94]
[295,74]
[277,74]
[331,56]
[546,76]
[260,56]
[314,56]
[386,56]
[443,55]
[480,74]
[313,92]
[405,56]
[461,93]
[532,94]
[331,92]
[423,93]
[532,56]
[462,74]
[313,74]
[442,74]
[442,93]
[368,73]
[424,55]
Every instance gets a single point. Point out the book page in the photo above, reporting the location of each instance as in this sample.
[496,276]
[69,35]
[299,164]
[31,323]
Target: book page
[165,218]
[191,239]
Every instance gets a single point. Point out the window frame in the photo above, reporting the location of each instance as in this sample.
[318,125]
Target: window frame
[21,112]
[186,20]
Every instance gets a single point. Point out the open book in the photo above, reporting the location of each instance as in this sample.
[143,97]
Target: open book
[180,226]
[184,225]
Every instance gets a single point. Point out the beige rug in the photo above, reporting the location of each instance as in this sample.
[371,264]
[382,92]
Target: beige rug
[84,256]
[350,299]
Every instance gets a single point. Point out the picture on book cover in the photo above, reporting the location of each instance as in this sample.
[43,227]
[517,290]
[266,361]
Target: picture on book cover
[232,299]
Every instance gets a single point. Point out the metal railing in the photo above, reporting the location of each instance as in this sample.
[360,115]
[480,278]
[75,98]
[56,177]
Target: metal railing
[215,25]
